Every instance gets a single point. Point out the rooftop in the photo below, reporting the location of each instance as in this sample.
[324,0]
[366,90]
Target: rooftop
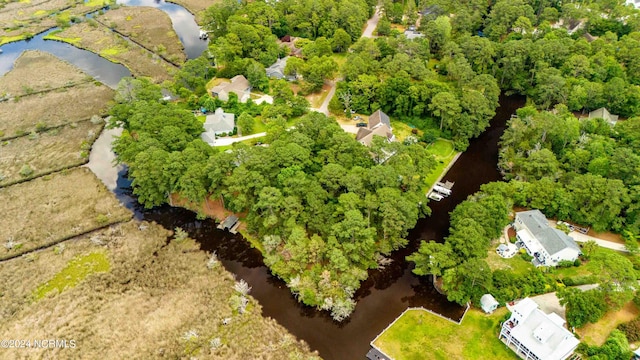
[553,240]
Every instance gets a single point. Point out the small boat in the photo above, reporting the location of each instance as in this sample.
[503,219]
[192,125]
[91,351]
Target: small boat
[435,196]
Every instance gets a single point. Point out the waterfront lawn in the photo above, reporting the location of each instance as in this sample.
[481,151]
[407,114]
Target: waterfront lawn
[517,265]
[444,153]
[419,334]
[596,334]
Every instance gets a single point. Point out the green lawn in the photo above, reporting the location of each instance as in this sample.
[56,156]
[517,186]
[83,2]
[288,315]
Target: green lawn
[401,130]
[443,151]
[421,335]
[76,270]
[516,264]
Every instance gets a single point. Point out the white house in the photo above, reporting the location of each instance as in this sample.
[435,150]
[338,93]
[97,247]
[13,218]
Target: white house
[217,123]
[547,245]
[532,334]
[379,125]
[603,113]
[239,85]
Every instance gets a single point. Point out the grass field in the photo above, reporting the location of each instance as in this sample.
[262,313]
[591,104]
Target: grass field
[148,26]
[140,306]
[516,264]
[48,209]
[46,152]
[444,153]
[596,334]
[419,335]
[76,270]
[64,106]
[27,74]
[20,19]
[102,41]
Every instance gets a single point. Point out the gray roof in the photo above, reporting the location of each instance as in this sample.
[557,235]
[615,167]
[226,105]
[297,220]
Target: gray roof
[603,113]
[378,118]
[553,240]
[276,70]
[412,34]
[220,122]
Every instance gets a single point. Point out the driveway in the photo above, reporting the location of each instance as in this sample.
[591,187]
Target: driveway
[550,302]
[372,24]
[580,237]
[230,140]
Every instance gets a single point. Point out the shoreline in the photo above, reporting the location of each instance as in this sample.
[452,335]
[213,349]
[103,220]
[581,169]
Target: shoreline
[445,171]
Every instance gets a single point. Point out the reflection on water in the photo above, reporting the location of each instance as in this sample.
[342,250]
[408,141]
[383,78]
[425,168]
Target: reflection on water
[183,23]
[100,68]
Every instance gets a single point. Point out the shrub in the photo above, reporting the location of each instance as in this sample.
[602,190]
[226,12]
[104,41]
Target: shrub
[526,256]
[26,171]
[566,263]
[102,219]
[631,329]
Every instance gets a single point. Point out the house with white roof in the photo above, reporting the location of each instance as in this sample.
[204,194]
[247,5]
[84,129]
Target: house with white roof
[532,334]
[217,123]
[547,245]
[488,303]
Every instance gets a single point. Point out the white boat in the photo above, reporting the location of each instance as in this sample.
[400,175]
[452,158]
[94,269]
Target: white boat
[442,190]
[435,196]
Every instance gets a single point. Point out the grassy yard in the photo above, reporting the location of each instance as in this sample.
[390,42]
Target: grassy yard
[516,264]
[444,153]
[596,334]
[401,130]
[421,335]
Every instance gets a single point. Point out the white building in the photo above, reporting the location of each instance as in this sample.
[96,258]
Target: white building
[488,303]
[547,245]
[532,334]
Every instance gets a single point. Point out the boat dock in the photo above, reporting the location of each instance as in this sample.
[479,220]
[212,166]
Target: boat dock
[231,224]
[440,190]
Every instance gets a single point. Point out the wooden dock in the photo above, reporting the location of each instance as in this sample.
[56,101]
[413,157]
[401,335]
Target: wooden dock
[230,224]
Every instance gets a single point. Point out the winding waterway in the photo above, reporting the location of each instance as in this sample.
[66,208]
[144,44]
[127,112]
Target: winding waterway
[385,294]
[100,68]
[381,298]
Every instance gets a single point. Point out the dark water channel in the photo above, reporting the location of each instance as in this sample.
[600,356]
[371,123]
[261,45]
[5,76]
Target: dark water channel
[385,294]
[381,298]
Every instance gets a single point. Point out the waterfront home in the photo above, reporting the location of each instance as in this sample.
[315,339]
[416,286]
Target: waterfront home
[547,245]
[379,125]
[532,334]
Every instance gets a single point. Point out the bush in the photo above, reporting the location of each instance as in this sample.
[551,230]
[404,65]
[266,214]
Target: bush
[26,171]
[631,329]
[526,256]
[566,263]
[430,136]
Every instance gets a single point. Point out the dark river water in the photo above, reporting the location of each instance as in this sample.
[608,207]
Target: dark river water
[382,297]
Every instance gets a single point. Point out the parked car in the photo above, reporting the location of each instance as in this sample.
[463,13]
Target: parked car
[361,124]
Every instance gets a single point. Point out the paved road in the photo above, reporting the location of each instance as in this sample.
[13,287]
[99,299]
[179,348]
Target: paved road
[372,24]
[230,140]
[550,303]
[324,108]
[580,237]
